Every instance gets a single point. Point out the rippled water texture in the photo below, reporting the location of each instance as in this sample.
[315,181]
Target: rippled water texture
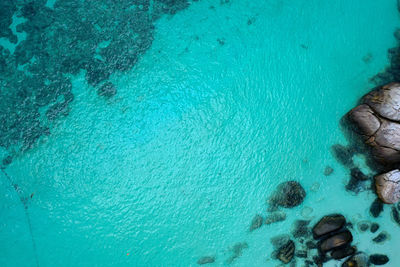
[151,134]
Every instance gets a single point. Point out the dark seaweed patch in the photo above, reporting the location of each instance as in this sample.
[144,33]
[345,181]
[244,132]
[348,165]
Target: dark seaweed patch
[98,37]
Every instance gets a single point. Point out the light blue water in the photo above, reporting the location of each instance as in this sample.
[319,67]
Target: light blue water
[176,165]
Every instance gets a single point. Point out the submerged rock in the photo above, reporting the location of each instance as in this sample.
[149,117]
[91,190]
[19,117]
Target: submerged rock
[107,90]
[336,241]
[388,186]
[286,252]
[395,215]
[256,222]
[374,227]
[382,237]
[237,251]
[342,253]
[328,224]
[378,259]
[328,170]
[206,260]
[301,254]
[376,208]
[343,154]
[277,216]
[300,228]
[280,240]
[358,260]
[363,226]
[288,195]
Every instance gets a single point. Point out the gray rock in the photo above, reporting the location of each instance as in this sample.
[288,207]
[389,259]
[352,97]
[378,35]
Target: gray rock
[363,226]
[388,186]
[385,101]
[377,121]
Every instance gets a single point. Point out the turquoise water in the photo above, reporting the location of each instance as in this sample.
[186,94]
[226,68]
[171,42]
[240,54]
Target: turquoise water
[228,102]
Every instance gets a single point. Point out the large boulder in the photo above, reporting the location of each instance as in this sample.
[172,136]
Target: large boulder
[388,186]
[336,241]
[328,224]
[377,121]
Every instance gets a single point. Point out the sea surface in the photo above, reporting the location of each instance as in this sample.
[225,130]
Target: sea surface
[231,99]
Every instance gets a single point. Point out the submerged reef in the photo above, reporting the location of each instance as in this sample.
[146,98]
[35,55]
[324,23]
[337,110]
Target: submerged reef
[97,37]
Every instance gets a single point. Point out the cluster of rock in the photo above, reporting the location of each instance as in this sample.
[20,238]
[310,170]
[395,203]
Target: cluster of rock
[376,121]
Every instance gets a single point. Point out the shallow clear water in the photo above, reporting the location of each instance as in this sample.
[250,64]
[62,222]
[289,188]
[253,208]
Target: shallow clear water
[211,119]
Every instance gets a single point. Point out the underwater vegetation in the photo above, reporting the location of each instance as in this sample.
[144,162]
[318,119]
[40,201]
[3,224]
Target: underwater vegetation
[97,37]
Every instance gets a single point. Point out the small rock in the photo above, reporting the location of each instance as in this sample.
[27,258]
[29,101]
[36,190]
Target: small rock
[237,251]
[275,217]
[315,187]
[279,241]
[336,241]
[328,224]
[343,154]
[378,259]
[107,90]
[363,226]
[306,212]
[311,245]
[286,252]
[358,260]
[206,260]
[395,215]
[256,222]
[300,228]
[328,171]
[381,237]
[376,208]
[374,227]
[388,186]
[301,253]
[342,253]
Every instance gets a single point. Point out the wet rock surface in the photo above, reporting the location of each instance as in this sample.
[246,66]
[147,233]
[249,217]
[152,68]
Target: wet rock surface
[376,122]
[336,241]
[388,186]
[328,224]
[342,253]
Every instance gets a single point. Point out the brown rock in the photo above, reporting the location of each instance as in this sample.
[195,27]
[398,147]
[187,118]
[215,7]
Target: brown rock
[336,241]
[328,224]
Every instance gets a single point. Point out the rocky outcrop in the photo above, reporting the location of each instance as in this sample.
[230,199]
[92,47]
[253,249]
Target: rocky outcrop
[377,121]
[286,252]
[388,186]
